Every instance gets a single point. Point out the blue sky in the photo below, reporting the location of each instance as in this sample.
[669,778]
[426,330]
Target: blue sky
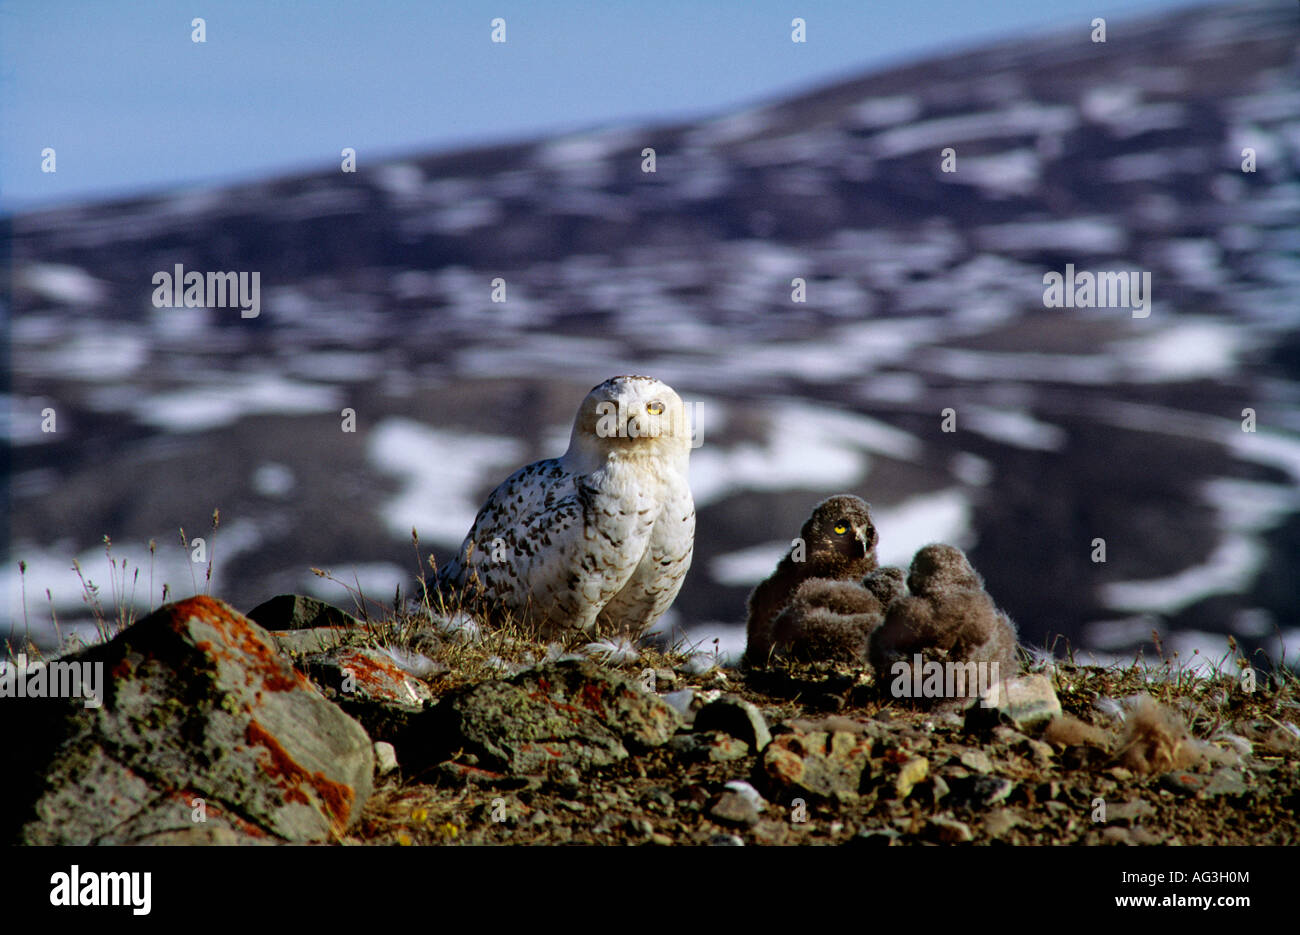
[131,104]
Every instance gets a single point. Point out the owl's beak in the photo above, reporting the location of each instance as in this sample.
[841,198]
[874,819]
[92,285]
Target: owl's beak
[863,538]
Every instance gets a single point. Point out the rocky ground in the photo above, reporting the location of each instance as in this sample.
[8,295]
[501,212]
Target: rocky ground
[309,725]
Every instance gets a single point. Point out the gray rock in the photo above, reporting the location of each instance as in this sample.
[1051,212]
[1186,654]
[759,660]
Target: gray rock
[876,837]
[817,765]
[726,840]
[737,717]
[981,791]
[1129,811]
[1000,822]
[300,612]
[203,725]
[735,808]
[371,687]
[713,746]
[385,758]
[1024,703]
[1226,782]
[977,761]
[740,787]
[681,701]
[949,830]
[314,639]
[571,712]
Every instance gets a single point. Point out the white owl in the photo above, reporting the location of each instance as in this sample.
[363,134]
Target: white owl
[597,540]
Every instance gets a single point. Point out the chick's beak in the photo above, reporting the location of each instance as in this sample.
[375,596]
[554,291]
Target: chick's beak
[864,537]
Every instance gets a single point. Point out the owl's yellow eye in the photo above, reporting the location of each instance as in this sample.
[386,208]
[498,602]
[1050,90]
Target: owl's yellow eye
[840,529]
[654,408]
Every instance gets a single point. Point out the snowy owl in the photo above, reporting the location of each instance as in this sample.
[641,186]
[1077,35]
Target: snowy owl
[838,542]
[597,540]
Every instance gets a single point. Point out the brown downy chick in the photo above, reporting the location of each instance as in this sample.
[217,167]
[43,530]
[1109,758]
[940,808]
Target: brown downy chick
[1156,740]
[948,617]
[827,621]
[838,541]
[886,584]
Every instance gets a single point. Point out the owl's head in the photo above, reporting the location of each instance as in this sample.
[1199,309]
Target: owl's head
[840,526]
[940,567]
[631,416]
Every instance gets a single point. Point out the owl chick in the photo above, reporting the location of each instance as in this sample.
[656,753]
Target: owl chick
[827,620]
[597,540]
[948,617]
[838,541]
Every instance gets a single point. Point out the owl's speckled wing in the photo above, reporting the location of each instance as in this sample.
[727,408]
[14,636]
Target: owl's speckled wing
[550,543]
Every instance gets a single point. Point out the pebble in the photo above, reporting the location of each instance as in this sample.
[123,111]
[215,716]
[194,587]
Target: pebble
[912,772]
[737,717]
[977,760]
[385,758]
[950,831]
[726,840]
[735,809]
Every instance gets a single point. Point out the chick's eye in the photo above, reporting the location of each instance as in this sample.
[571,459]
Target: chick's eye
[840,529]
[654,408]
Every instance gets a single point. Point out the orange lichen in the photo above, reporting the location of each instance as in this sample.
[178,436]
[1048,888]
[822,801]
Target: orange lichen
[335,797]
[263,659]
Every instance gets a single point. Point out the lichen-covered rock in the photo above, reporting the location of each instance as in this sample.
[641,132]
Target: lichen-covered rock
[202,724]
[569,713]
[641,720]
[1025,703]
[371,687]
[816,764]
[737,717]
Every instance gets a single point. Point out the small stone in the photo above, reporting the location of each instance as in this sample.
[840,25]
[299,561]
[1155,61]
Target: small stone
[1041,754]
[1000,821]
[744,789]
[912,772]
[681,701]
[876,837]
[639,829]
[977,761]
[657,800]
[1184,783]
[1024,703]
[771,832]
[734,808]
[724,749]
[662,840]
[1116,836]
[990,790]
[1129,811]
[936,789]
[949,830]
[725,840]
[817,765]
[714,746]
[737,717]
[385,758]
[1008,736]
[1120,774]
